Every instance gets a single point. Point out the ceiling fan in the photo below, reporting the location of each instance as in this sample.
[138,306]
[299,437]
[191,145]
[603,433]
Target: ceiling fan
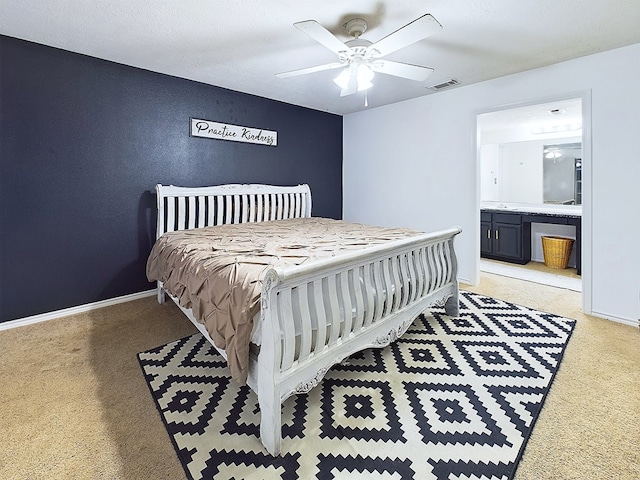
[360,58]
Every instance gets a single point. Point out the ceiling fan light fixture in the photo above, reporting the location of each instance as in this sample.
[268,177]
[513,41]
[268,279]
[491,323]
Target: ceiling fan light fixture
[342,80]
[365,75]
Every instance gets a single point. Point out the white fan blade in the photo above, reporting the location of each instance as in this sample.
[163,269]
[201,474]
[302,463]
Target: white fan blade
[404,70]
[411,33]
[304,71]
[322,36]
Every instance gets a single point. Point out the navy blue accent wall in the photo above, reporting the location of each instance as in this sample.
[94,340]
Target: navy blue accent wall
[83,142]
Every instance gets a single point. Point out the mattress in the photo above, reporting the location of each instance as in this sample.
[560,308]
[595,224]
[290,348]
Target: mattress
[218,271]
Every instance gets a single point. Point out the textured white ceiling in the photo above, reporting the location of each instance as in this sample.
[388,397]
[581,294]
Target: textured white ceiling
[242,44]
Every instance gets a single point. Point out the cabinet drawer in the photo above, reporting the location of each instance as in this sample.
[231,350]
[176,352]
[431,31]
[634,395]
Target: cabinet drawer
[547,219]
[513,218]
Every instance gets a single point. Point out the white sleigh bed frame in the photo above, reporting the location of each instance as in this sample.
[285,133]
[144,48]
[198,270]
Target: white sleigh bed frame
[385,287]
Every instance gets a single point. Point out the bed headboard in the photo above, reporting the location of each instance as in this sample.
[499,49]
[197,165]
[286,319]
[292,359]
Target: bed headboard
[181,208]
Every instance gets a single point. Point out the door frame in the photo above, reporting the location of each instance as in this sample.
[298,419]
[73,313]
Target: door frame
[587,170]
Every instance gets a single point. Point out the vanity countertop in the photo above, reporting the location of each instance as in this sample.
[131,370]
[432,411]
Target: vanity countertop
[555,210]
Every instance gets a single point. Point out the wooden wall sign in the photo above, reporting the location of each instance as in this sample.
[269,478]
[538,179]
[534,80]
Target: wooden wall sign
[235,133]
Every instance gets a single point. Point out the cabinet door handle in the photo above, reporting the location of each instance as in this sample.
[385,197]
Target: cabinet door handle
[489,234]
[497,236]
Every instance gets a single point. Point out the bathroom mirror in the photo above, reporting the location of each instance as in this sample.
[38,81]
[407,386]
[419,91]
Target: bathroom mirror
[562,174]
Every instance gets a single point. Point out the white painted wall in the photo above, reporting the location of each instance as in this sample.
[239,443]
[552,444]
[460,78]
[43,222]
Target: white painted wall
[521,172]
[414,163]
[490,172]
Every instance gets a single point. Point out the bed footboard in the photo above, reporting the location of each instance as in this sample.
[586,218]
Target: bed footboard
[343,306]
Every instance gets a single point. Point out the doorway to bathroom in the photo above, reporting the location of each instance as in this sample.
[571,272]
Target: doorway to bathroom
[531,160]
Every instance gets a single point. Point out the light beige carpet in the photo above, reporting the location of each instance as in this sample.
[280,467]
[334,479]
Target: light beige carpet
[74,404]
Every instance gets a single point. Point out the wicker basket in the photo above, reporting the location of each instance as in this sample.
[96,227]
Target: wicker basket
[557,251]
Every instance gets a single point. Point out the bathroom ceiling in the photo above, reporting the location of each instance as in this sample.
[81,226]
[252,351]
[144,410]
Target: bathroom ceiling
[242,44]
[561,112]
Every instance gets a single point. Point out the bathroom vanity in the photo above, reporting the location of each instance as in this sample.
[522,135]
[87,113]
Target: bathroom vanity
[505,230]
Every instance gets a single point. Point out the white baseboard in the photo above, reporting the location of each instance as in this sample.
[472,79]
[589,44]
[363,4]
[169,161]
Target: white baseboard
[21,322]
[613,318]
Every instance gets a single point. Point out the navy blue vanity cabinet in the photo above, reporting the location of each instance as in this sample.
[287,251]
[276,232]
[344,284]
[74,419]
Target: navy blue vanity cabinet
[486,236]
[504,236]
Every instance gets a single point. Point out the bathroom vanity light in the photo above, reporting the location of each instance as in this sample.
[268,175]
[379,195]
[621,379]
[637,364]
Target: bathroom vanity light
[569,127]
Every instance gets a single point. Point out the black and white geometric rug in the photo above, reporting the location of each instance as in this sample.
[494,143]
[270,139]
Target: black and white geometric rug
[454,398]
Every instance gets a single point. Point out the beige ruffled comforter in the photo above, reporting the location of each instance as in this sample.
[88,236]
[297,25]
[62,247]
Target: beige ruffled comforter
[218,271]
